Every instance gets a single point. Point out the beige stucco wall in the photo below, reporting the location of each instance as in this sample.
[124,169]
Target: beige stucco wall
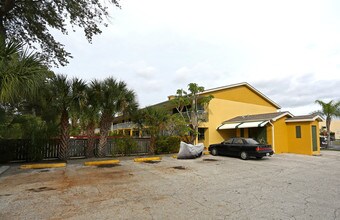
[335,127]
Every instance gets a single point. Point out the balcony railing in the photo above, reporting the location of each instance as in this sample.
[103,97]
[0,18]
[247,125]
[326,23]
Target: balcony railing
[125,125]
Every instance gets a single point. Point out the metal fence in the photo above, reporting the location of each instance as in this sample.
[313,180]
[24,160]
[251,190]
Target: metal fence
[24,150]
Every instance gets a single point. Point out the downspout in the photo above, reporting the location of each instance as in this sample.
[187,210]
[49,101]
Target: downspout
[273,137]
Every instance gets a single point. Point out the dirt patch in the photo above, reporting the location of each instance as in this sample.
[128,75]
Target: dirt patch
[86,176]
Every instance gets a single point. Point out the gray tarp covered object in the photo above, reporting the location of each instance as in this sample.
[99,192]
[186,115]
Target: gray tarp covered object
[189,151]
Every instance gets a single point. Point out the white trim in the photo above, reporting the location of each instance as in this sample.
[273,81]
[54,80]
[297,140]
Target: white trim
[273,137]
[306,119]
[282,115]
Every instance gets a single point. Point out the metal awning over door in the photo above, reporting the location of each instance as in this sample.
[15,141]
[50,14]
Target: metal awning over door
[228,126]
[252,124]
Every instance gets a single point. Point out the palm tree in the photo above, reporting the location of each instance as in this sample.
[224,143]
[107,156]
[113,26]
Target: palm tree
[155,120]
[329,110]
[66,95]
[112,97]
[21,72]
[89,119]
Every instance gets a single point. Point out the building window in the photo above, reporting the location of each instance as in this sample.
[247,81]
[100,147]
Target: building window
[298,131]
[201,132]
[135,133]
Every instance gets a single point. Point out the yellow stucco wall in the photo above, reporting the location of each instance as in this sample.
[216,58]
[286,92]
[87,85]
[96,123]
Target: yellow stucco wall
[241,94]
[280,136]
[224,107]
[304,144]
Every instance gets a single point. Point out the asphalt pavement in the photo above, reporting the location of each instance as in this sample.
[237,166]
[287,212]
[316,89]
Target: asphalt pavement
[285,186]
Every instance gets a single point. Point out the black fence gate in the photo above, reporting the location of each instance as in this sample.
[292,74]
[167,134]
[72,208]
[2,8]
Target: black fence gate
[24,150]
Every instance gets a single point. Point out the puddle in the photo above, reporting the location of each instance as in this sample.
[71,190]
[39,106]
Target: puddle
[41,189]
[210,160]
[179,167]
[5,195]
[152,161]
[43,171]
[108,165]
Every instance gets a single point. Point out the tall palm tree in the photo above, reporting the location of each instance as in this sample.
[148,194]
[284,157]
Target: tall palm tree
[89,119]
[155,120]
[66,95]
[330,110]
[113,97]
[21,72]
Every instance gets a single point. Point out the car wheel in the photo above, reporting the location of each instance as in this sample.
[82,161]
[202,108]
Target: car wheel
[214,152]
[244,155]
[259,158]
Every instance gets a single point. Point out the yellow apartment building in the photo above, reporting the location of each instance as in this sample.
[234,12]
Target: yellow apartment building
[240,110]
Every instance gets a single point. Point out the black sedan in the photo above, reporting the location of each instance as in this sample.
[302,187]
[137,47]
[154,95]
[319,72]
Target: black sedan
[241,147]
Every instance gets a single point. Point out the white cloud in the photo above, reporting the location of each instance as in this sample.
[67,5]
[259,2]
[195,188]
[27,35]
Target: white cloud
[146,73]
[290,50]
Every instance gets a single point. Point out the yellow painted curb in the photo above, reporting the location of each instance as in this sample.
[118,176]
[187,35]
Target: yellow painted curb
[143,159]
[42,165]
[206,152]
[101,162]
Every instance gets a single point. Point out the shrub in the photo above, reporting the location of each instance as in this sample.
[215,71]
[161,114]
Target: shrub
[167,144]
[124,146]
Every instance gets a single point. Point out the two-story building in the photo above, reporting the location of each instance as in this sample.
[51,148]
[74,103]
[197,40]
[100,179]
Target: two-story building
[240,110]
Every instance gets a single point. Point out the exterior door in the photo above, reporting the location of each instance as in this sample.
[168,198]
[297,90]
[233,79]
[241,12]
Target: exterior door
[314,138]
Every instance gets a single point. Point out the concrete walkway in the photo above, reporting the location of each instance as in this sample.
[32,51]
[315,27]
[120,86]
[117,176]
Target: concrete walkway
[334,147]
[3,169]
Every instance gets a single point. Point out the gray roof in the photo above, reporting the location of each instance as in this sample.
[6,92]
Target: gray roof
[259,117]
[311,117]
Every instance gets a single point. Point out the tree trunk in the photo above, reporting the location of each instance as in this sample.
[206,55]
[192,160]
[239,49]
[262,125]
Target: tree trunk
[64,136]
[152,144]
[90,140]
[105,124]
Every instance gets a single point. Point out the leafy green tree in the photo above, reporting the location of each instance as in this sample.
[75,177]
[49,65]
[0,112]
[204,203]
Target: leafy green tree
[113,97]
[329,110]
[177,126]
[155,120]
[31,21]
[21,73]
[65,94]
[187,105]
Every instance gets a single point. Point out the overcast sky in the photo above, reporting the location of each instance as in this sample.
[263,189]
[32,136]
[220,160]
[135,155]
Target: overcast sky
[289,50]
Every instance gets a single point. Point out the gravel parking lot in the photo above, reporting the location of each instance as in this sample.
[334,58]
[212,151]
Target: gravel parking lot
[285,186]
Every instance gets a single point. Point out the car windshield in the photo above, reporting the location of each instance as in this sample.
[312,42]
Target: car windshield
[251,141]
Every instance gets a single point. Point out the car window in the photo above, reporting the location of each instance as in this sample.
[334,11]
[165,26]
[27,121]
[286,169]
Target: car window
[228,141]
[238,141]
[251,141]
